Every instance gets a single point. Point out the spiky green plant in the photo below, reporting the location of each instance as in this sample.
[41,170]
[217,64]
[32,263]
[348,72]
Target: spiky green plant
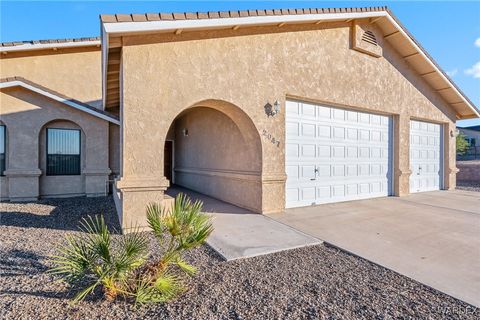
[91,259]
[178,229]
[119,266]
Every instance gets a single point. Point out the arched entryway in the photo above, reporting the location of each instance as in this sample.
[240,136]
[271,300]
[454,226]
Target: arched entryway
[214,148]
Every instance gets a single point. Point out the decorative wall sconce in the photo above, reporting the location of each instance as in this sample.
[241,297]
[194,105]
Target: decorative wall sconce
[185,132]
[272,110]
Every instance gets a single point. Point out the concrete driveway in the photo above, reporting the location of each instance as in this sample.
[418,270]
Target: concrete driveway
[432,237]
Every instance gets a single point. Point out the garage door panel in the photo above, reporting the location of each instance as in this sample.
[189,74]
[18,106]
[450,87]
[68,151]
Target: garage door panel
[351,158]
[425,156]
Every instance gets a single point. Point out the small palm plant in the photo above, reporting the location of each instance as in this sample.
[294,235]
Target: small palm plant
[177,230]
[120,267]
[93,259]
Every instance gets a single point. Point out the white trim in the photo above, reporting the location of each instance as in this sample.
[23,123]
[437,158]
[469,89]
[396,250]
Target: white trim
[104,66]
[73,104]
[422,53]
[39,46]
[172,25]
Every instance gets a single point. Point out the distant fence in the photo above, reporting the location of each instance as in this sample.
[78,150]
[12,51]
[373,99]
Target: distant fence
[468,171]
[473,153]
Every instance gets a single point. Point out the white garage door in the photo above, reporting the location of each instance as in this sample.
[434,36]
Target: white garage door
[425,156]
[333,154]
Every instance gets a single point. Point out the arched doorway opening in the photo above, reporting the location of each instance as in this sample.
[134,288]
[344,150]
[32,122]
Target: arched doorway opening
[214,148]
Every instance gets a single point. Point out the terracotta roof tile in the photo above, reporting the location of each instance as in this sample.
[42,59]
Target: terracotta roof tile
[124,18]
[224,14]
[106,18]
[19,43]
[139,17]
[191,15]
[234,14]
[213,14]
[166,16]
[178,16]
[153,17]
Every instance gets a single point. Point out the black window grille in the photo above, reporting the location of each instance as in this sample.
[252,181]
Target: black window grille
[3,147]
[63,152]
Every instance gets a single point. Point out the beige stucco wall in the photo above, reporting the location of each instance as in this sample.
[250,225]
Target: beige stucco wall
[313,63]
[74,72]
[114,148]
[26,115]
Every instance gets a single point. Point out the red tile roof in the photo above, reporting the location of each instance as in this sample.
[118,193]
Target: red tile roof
[112,18]
[48,41]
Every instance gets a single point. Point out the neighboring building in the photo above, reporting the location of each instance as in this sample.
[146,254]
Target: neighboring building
[265,109]
[52,145]
[472,135]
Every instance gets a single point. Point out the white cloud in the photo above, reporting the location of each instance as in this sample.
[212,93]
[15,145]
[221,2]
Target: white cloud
[477,42]
[452,73]
[474,71]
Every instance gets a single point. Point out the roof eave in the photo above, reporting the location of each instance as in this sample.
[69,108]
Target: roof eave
[43,46]
[56,97]
[134,27]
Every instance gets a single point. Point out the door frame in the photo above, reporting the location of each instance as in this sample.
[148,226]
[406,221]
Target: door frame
[173,159]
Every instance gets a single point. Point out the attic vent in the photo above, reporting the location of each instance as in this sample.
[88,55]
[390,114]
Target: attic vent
[369,37]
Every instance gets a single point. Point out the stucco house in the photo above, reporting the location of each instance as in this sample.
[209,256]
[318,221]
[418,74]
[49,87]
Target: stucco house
[264,109]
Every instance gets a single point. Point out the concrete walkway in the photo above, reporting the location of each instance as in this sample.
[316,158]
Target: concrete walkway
[432,237]
[239,233]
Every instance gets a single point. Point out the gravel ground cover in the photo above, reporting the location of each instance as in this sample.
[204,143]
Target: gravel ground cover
[318,282]
[468,185]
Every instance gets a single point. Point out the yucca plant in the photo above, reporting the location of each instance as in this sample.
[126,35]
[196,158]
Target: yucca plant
[119,266]
[91,259]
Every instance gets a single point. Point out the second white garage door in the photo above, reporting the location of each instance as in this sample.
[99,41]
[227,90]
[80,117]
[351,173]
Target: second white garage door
[425,156]
[333,154]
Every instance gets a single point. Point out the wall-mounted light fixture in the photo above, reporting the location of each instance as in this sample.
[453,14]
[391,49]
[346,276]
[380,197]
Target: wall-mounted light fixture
[272,110]
[185,132]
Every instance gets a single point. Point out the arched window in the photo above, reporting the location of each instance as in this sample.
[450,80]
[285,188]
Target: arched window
[63,152]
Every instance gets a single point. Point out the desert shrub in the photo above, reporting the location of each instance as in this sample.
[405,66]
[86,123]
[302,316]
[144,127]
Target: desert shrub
[120,266]
[461,144]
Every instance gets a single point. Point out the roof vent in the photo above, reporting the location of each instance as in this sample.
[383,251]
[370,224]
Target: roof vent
[369,37]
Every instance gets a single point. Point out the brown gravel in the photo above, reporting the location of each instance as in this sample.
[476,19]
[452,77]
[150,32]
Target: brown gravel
[319,282]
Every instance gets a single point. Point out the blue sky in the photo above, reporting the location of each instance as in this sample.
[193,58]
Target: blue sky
[448,30]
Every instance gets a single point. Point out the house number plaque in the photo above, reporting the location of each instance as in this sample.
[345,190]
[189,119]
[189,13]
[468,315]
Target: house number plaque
[271,138]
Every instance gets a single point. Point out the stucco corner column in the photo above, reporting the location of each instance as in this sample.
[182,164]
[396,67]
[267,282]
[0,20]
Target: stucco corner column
[401,155]
[23,184]
[449,156]
[273,192]
[96,182]
[135,194]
